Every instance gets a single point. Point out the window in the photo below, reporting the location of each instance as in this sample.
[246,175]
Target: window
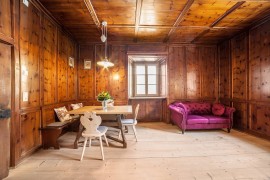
[147,76]
[146,79]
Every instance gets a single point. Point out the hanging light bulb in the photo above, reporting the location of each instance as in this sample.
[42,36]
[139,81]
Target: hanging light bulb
[105,63]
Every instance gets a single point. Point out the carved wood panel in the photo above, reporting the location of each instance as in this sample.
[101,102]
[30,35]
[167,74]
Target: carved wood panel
[29,55]
[224,70]
[193,73]
[5,18]
[49,61]
[86,77]
[30,133]
[239,66]
[177,72]
[259,63]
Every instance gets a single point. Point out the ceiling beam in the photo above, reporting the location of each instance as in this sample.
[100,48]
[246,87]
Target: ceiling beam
[229,11]
[92,13]
[219,19]
[179,19]
[137,18]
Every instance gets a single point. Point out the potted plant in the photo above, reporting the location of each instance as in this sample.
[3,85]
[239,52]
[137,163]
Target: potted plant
[103,97]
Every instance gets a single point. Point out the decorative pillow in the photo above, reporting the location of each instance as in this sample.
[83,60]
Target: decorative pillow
[218,109]
[76,106]
[61,114]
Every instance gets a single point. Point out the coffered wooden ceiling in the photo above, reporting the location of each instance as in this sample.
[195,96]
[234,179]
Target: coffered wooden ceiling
[172,21]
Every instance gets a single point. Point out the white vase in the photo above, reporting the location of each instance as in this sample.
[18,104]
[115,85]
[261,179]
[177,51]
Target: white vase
[104,104]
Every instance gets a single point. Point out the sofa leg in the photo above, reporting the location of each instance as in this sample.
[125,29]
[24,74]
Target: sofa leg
[229,130]
[183,131]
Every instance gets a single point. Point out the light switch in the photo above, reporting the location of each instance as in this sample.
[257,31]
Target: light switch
[25,96]
[26,3]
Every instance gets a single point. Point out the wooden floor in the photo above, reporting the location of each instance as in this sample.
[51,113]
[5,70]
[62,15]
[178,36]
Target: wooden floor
[160,154]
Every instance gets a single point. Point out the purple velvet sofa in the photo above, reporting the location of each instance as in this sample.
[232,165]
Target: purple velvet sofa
[198,115]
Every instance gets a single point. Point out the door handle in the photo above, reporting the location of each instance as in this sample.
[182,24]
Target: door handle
[5,113]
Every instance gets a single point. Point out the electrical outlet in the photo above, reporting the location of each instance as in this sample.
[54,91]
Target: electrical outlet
[26,3]
[25,96]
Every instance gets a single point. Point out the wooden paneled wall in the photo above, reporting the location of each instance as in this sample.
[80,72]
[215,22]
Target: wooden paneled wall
[191,75]
[244,63]
[41,67]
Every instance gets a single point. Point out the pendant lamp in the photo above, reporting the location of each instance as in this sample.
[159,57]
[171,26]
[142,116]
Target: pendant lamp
[105,62]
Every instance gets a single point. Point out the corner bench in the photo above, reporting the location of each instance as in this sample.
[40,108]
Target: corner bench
[53,131]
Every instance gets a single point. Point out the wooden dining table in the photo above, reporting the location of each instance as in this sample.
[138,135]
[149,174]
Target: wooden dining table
[113,114]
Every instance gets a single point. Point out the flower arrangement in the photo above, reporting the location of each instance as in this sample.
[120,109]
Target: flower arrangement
[103,96]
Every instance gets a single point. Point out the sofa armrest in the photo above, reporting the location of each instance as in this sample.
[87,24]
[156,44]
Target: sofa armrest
[229,113]
[178,116]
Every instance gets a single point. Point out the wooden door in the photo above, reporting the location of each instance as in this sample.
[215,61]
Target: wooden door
[5,100]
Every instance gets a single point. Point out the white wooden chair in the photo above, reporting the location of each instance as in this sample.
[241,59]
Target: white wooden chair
[91,122]
[132,122]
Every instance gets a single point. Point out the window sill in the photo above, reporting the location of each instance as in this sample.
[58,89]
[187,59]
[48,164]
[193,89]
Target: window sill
[159,97]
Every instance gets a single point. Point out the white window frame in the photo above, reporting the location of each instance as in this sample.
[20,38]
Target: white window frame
[134,75]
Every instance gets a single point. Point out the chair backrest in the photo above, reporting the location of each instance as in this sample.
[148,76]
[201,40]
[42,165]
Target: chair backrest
[90,122]
[136,111]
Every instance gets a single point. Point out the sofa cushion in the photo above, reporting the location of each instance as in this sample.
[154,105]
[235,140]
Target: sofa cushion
[195,119]
[197,108]
[217,119]
[218,109]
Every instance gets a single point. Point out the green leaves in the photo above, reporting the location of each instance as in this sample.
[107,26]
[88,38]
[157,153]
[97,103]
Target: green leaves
[104,95]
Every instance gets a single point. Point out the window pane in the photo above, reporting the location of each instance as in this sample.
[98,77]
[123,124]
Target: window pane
[140,69]
[152,89]
[152,79]
[152,69]
[140,79]
[140,89]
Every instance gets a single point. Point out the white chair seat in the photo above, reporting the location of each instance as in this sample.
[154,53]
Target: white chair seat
[101,129]
[129,121]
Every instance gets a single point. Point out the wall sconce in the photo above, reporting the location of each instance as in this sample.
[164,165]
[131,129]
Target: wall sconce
[116,77]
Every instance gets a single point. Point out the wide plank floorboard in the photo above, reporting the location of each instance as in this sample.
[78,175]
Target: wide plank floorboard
[161,153]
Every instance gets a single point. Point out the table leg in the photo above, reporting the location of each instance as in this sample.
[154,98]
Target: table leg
[122,131]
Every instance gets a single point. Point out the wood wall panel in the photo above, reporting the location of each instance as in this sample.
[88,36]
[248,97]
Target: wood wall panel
[150,109]
[119,74]
[177,72]
[240,115]
[106,78]
[239,49]
[49,61]
[260,117]
[30,54]
[30,133]
[193,73]
[208,72]
[224,70]
[5,18]
[86,77]
[250,56]
[66,74]
[259,63]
